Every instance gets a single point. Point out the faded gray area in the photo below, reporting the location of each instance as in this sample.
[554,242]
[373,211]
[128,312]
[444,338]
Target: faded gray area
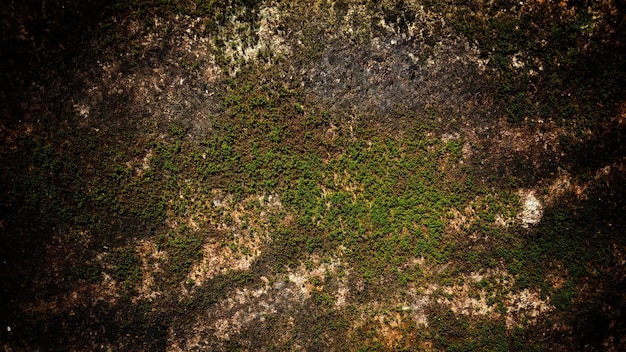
[429,66]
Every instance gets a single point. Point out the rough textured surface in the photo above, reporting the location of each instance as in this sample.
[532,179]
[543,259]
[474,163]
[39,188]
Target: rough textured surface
[314,175]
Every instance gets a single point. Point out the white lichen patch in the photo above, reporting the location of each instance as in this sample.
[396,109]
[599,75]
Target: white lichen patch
[221,199]
[461,302]
[82,109]
[269,204]
[502,221]
[305,277]
[141,165]
[244,42]
[517,61]
[467,298]
[243,308]
[532,209]
[449,137]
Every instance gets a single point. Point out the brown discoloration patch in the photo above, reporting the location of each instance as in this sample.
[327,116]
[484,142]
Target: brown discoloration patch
[244,240]
[150,267]
[465,299]
[221,259]
[560,186]
[244,308]
[391,329]
[461,220]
